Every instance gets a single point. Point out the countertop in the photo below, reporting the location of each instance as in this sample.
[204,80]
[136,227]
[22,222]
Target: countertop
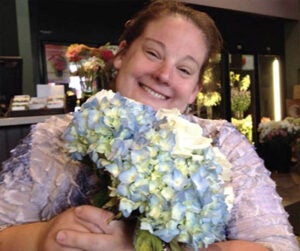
[26,120]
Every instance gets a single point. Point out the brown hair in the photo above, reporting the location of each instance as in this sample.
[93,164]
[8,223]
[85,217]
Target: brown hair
[161,8]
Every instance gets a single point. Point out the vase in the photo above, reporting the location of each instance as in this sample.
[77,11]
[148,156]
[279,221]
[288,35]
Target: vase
[209,112]
[88,87]
[59,73]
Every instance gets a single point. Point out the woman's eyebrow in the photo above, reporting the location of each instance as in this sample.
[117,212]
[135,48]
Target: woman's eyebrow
[189,57]
[148,39]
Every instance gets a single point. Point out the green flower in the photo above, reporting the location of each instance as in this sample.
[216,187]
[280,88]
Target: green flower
[240,95]
[210,98]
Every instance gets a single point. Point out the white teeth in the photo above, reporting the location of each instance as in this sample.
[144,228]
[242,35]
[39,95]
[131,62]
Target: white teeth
[155,94]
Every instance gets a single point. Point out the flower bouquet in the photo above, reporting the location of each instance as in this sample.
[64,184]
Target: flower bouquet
[245,126]
[240,94]
[90,63]
[276,140]
[209,96]
[284,130]
[59,64]
[169,181]
[208,100]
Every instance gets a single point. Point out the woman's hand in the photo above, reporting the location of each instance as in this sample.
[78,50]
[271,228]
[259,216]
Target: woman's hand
[84,228]
[92,229]
[88,228]
[41,235]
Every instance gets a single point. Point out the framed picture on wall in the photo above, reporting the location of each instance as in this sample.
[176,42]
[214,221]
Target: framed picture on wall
[55,63]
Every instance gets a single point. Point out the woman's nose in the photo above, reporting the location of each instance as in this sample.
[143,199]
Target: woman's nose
[163,73]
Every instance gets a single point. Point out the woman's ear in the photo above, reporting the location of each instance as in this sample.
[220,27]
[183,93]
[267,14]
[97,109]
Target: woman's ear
[117,62]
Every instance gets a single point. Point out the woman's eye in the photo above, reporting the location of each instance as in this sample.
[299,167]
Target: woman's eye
[152,54]
[185,71]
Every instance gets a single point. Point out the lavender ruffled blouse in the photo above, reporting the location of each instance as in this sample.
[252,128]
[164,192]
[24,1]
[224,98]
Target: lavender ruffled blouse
[39,181]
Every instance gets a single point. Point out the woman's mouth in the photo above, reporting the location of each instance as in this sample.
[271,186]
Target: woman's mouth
[153,93]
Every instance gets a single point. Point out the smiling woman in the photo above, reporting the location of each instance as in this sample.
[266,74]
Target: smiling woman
[172,71]
[160,63]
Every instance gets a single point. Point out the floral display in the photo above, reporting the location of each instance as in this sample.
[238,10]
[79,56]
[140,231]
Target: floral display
[90,63]
[287,129]
[208,99]
[244,125]
[240,94]
[209,95]
[277,139]
[59,64]
[172,183]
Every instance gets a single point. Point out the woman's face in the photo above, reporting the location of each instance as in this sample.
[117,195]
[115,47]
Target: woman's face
[161,68]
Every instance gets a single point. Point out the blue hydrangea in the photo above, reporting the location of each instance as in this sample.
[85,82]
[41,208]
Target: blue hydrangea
[176,186]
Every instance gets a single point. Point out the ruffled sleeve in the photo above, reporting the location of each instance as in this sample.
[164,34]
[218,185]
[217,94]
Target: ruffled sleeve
[39,180]
[257,214]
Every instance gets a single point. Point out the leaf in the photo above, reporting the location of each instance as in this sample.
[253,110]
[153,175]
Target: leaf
[174,246]
[145,241]
[111,203]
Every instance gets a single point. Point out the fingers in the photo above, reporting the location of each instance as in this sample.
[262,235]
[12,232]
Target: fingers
[103,234]
[93,230]
[79,240]
[95,219]
[84,241]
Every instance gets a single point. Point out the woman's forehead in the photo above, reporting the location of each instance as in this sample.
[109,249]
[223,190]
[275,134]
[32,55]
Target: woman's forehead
[178,32]
[176,26]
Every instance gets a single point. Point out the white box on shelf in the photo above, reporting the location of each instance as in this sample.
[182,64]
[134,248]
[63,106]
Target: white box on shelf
[50,90]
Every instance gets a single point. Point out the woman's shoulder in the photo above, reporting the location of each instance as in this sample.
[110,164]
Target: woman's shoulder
[214,127]
[58,122]
[231,142]
[39,180]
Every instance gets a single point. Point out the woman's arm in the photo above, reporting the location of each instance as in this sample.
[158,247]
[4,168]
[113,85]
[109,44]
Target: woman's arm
[40,235]
[236,245]
[22,237]
[257,215]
